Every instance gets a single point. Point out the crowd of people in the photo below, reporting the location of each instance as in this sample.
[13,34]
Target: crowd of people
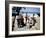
[19,21]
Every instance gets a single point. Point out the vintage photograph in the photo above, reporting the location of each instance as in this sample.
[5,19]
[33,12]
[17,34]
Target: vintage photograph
[25,18]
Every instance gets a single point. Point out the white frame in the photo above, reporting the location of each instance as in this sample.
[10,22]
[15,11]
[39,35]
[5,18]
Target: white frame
[25,32]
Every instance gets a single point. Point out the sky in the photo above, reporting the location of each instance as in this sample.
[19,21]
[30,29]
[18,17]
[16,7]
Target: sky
[30,10]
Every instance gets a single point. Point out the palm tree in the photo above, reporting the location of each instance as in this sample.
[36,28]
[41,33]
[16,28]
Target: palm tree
[14,14]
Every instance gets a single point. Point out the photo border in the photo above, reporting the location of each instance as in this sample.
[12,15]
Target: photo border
[7,18]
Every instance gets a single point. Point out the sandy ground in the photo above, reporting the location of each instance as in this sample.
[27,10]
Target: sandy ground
[26,28]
